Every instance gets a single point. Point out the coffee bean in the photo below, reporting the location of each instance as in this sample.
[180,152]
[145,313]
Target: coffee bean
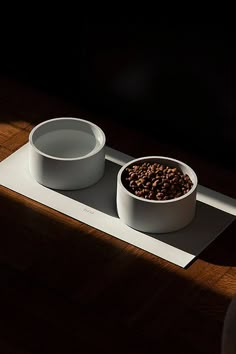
[160,194]
[151,175]
[155,183]
[175,180]
[133,176]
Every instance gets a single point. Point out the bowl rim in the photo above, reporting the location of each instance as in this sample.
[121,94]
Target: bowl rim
[156,157]
[92,153]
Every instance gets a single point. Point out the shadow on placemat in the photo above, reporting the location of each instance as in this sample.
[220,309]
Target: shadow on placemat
[102,195]
[208,223]
[222,251]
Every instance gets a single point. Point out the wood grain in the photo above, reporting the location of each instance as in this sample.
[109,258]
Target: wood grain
[68,288]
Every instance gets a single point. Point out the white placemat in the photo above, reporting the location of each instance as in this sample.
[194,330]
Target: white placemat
[96,206]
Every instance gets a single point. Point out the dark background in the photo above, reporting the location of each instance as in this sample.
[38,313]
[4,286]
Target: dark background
[172,77]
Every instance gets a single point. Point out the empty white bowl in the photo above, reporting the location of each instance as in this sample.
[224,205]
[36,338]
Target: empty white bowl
[154,216]
[67,153]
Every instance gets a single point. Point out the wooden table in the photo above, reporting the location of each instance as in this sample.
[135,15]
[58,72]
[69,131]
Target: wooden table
[68,288]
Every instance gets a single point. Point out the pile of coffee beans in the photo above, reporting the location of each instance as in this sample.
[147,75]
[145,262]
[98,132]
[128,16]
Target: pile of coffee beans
[156,181]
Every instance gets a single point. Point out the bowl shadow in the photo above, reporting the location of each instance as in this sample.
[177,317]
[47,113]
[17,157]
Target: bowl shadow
[102,195]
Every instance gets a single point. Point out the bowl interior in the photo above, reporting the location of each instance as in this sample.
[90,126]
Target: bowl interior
[67,138]
[184,168]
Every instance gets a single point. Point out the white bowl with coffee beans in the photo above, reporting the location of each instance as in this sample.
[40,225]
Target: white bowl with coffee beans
[156,194]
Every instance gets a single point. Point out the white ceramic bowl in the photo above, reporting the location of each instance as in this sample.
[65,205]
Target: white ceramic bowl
[67,153]
[154,216]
